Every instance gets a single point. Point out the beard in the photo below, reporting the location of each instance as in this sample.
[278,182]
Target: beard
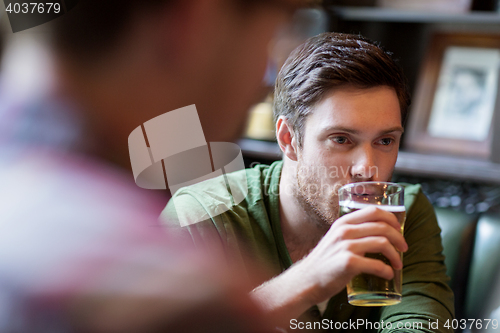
[318,198]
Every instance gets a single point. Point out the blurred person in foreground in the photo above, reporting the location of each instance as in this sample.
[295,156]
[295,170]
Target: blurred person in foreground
[79,246]
[340,106]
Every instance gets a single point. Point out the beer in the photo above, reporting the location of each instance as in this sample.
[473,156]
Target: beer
[367,289]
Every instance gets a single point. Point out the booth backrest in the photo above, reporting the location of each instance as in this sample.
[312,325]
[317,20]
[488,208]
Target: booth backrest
[471,245]
[483,288]
[457,231]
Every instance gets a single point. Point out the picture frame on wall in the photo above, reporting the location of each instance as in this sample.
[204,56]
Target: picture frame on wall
[457,97]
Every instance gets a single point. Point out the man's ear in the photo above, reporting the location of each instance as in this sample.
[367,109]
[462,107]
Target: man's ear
[286,138]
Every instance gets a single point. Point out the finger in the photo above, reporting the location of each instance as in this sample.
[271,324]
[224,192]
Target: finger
[376,244]
[368,229]
[374,267]
[370,214]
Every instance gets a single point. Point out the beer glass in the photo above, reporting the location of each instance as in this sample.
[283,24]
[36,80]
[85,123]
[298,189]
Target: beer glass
[366,289]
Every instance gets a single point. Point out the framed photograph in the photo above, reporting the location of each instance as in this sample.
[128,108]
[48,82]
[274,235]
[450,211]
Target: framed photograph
[434,6]
[457,94]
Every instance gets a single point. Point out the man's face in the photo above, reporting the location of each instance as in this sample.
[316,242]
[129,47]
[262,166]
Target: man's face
[351,135]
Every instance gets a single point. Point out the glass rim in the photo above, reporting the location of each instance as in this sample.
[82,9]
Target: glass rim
[350,185]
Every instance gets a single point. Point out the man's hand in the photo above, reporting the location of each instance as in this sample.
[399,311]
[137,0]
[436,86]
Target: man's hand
[338,257]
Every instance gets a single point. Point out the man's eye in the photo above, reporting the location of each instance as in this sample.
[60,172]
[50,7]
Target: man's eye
[340,139]
[386,141]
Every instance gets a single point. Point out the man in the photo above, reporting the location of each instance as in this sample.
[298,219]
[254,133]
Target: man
[79,246]
[340,103]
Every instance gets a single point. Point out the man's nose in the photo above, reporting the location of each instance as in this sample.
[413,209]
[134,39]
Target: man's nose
[363,166]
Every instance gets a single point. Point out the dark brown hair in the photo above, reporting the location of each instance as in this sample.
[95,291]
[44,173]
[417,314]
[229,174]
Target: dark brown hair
[94,27]
[329,61]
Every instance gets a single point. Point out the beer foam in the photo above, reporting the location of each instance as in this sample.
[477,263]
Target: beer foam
[361,205]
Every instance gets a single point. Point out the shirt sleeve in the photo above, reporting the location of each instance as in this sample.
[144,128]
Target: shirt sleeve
[427,299]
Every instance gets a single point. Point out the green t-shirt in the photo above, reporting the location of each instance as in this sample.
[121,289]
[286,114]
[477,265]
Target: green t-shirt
[251,228]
